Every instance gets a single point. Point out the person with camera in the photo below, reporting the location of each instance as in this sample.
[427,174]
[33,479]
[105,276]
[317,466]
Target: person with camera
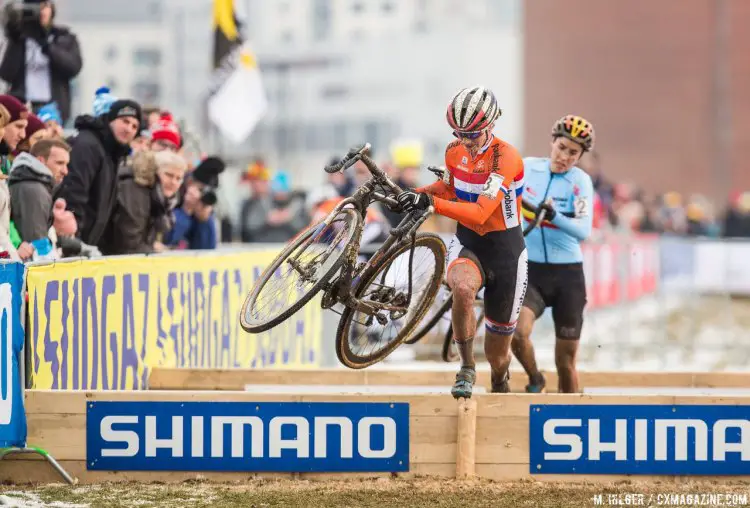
[195,223]
[41,58]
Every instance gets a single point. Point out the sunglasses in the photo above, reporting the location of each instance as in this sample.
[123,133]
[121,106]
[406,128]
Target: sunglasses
[467,135]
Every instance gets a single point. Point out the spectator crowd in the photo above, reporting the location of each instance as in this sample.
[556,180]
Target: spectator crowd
[119,185]
[124,182]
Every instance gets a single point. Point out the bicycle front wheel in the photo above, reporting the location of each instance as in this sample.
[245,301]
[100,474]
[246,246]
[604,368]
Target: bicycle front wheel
[363,339]
[299,272]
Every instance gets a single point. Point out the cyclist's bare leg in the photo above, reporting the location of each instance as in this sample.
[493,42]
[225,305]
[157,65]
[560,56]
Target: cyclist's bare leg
[464,280]
[565,360]
[497,351]
[522,347]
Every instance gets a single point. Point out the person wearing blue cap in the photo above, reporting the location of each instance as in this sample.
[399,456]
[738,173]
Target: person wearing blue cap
[49,114]
[103,100]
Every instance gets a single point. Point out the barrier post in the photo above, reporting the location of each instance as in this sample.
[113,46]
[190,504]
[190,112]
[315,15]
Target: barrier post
[13,431]
[466,442]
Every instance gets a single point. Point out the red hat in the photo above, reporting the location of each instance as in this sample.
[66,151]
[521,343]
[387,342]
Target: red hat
[34,126]
[166,130]
[15,107]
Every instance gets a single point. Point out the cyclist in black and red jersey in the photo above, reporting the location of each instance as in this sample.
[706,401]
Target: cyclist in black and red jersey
[481,190]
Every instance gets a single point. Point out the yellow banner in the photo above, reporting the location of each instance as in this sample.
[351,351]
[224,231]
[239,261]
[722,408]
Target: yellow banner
[102,324]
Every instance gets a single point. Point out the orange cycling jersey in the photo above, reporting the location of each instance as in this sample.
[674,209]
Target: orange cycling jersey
[482,193]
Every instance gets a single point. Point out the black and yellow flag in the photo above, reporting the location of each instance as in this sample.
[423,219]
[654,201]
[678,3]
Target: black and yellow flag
[227,35]
[236,99]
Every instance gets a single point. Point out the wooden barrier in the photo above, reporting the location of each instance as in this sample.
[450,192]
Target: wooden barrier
[237,379]
[487,436]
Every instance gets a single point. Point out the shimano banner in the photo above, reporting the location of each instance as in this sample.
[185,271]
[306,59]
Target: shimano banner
[648,439]
[247,436]
[12,417]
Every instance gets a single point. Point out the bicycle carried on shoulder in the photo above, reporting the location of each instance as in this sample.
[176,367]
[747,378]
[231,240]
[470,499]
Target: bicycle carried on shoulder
[389,293]
[440,312]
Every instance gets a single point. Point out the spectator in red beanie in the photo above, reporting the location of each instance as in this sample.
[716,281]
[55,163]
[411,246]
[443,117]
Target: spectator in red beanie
[35,131]
[165,135]
[15,131]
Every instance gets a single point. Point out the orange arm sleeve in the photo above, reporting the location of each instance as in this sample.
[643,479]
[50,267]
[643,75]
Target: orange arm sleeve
[439,189]
[470,214]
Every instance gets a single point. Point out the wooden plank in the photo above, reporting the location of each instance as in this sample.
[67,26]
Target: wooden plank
[419,405]
[501,405]
[54,402]
[63,435]
[502,440]
[47,401]
[721,380]
[37,471]
[711,400]
[641,379]
[235,379]
[433,429]
[466,441]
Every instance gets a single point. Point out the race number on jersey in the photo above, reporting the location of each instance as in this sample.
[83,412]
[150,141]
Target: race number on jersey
[492,186]
[580,207]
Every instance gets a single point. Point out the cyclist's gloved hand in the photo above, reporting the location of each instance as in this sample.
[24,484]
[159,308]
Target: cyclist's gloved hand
[410,200]
[551,212]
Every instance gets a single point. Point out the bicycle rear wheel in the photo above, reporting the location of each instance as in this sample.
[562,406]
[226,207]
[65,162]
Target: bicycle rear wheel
[361,340]
[299,272]
[436,313]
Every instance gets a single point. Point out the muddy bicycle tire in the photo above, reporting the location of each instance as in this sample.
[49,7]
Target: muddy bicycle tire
[343,347]
[353,223]
[420,332]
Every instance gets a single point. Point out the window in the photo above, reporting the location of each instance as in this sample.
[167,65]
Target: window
[150,57]
[321,19]
[145,91]
[112,84]
[283,7]
[358,7]
[287,36]
[110,54]
[387,7]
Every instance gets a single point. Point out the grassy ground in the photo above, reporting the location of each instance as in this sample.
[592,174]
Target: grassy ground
[380,493]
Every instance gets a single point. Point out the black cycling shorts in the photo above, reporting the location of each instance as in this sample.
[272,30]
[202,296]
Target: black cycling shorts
[562,287]
[501,258]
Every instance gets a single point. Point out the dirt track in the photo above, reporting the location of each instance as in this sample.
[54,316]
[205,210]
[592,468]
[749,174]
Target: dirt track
[380,493]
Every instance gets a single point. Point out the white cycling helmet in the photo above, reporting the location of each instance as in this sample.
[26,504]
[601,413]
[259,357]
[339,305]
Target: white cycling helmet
[472,110]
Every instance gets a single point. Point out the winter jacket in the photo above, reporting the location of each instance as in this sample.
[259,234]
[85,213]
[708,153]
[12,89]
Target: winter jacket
[188,232]
[90,187]
[61,47]
[143,213]
[31,184]
[5,242]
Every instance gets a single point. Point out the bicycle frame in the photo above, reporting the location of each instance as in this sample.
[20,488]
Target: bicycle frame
[341,290]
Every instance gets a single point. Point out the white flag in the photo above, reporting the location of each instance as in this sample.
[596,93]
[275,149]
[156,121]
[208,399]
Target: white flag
[240,103]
